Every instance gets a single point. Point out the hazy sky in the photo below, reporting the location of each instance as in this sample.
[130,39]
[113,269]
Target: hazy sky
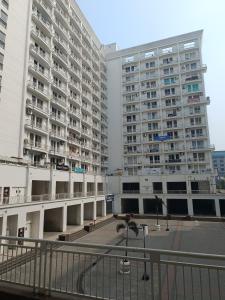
[133,22]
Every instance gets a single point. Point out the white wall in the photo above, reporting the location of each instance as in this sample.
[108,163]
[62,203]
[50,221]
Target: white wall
[115,114]
[14,80]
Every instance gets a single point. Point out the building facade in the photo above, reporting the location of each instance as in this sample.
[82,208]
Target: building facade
[158,128]
[53,117]
[219,162]
[56,110]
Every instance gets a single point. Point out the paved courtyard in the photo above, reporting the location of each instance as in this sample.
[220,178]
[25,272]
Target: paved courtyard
[97,272]
[191,236]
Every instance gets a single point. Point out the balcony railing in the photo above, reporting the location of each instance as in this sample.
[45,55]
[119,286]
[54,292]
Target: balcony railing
[54,266]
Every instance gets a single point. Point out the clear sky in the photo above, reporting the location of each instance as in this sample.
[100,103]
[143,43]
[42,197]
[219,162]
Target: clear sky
[133,22]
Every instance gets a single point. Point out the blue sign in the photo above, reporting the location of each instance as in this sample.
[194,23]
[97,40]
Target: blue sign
[162,138]
[79,170]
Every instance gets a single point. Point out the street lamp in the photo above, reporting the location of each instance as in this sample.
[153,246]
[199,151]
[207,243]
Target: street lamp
[160,201]
[145,234]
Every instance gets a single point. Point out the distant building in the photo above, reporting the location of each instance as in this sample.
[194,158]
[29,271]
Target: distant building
[219,162]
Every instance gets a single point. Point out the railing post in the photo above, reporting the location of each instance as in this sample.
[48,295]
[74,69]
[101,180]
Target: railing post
[50,270]
[35,267]
[155,260]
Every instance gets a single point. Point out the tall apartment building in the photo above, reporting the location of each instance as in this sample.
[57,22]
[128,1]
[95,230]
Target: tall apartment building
[162,103]
[53,118]
[53,98]
[158,127]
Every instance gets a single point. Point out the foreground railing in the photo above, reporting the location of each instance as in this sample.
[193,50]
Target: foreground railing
[98,270]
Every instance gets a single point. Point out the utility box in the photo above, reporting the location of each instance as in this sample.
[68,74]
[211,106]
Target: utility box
[65,237]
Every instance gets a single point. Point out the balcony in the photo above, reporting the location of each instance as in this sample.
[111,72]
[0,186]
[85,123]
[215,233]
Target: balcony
[39,72]
[37,127]
[61,73]
[62,57]
[41,109]
[74,155]
[38,89]
[61,88]
[58,118]
[74,127]
[42,39]
[43,56]
[59,103]
[58,135]
[35,146]
[57,152]
[73,141]
[63,31]
[62,15]
[47,8]
[42,22]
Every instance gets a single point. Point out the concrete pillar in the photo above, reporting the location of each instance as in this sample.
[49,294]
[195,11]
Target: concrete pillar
[117,209]
[164,186]
[85,186]
[4,225]
[188,184]
[28,184]
[95,187]
[4,231]
[164,207]
[94,210]
[41,225]
[104,208]
[64,218]
[217,207]
[141,207]
[21,219]
[52,183]
[82,213]
[190,206]
[70,184]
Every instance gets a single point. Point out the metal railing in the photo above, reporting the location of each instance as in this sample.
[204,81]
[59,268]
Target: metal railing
[99,270]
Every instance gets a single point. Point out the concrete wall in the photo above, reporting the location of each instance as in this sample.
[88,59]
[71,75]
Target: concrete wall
[32,224]
[14,79]
[115,115]
[53,220]
[74,215]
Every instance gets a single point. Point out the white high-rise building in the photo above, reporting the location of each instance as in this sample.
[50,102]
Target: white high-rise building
[53,97]
[158,91]
[158,127]
[66,100]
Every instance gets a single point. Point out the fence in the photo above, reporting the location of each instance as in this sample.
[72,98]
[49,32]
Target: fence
[95,270]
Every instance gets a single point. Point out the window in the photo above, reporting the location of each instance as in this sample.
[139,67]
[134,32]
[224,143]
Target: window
[168,71]
[167,60]
[129,59]
[5,3]
[170,91]
[192,87]
[1,61]
[190,55]
[2,39]
[167,50]
[149,54]
[169,80]
[189,45]
[3,19]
